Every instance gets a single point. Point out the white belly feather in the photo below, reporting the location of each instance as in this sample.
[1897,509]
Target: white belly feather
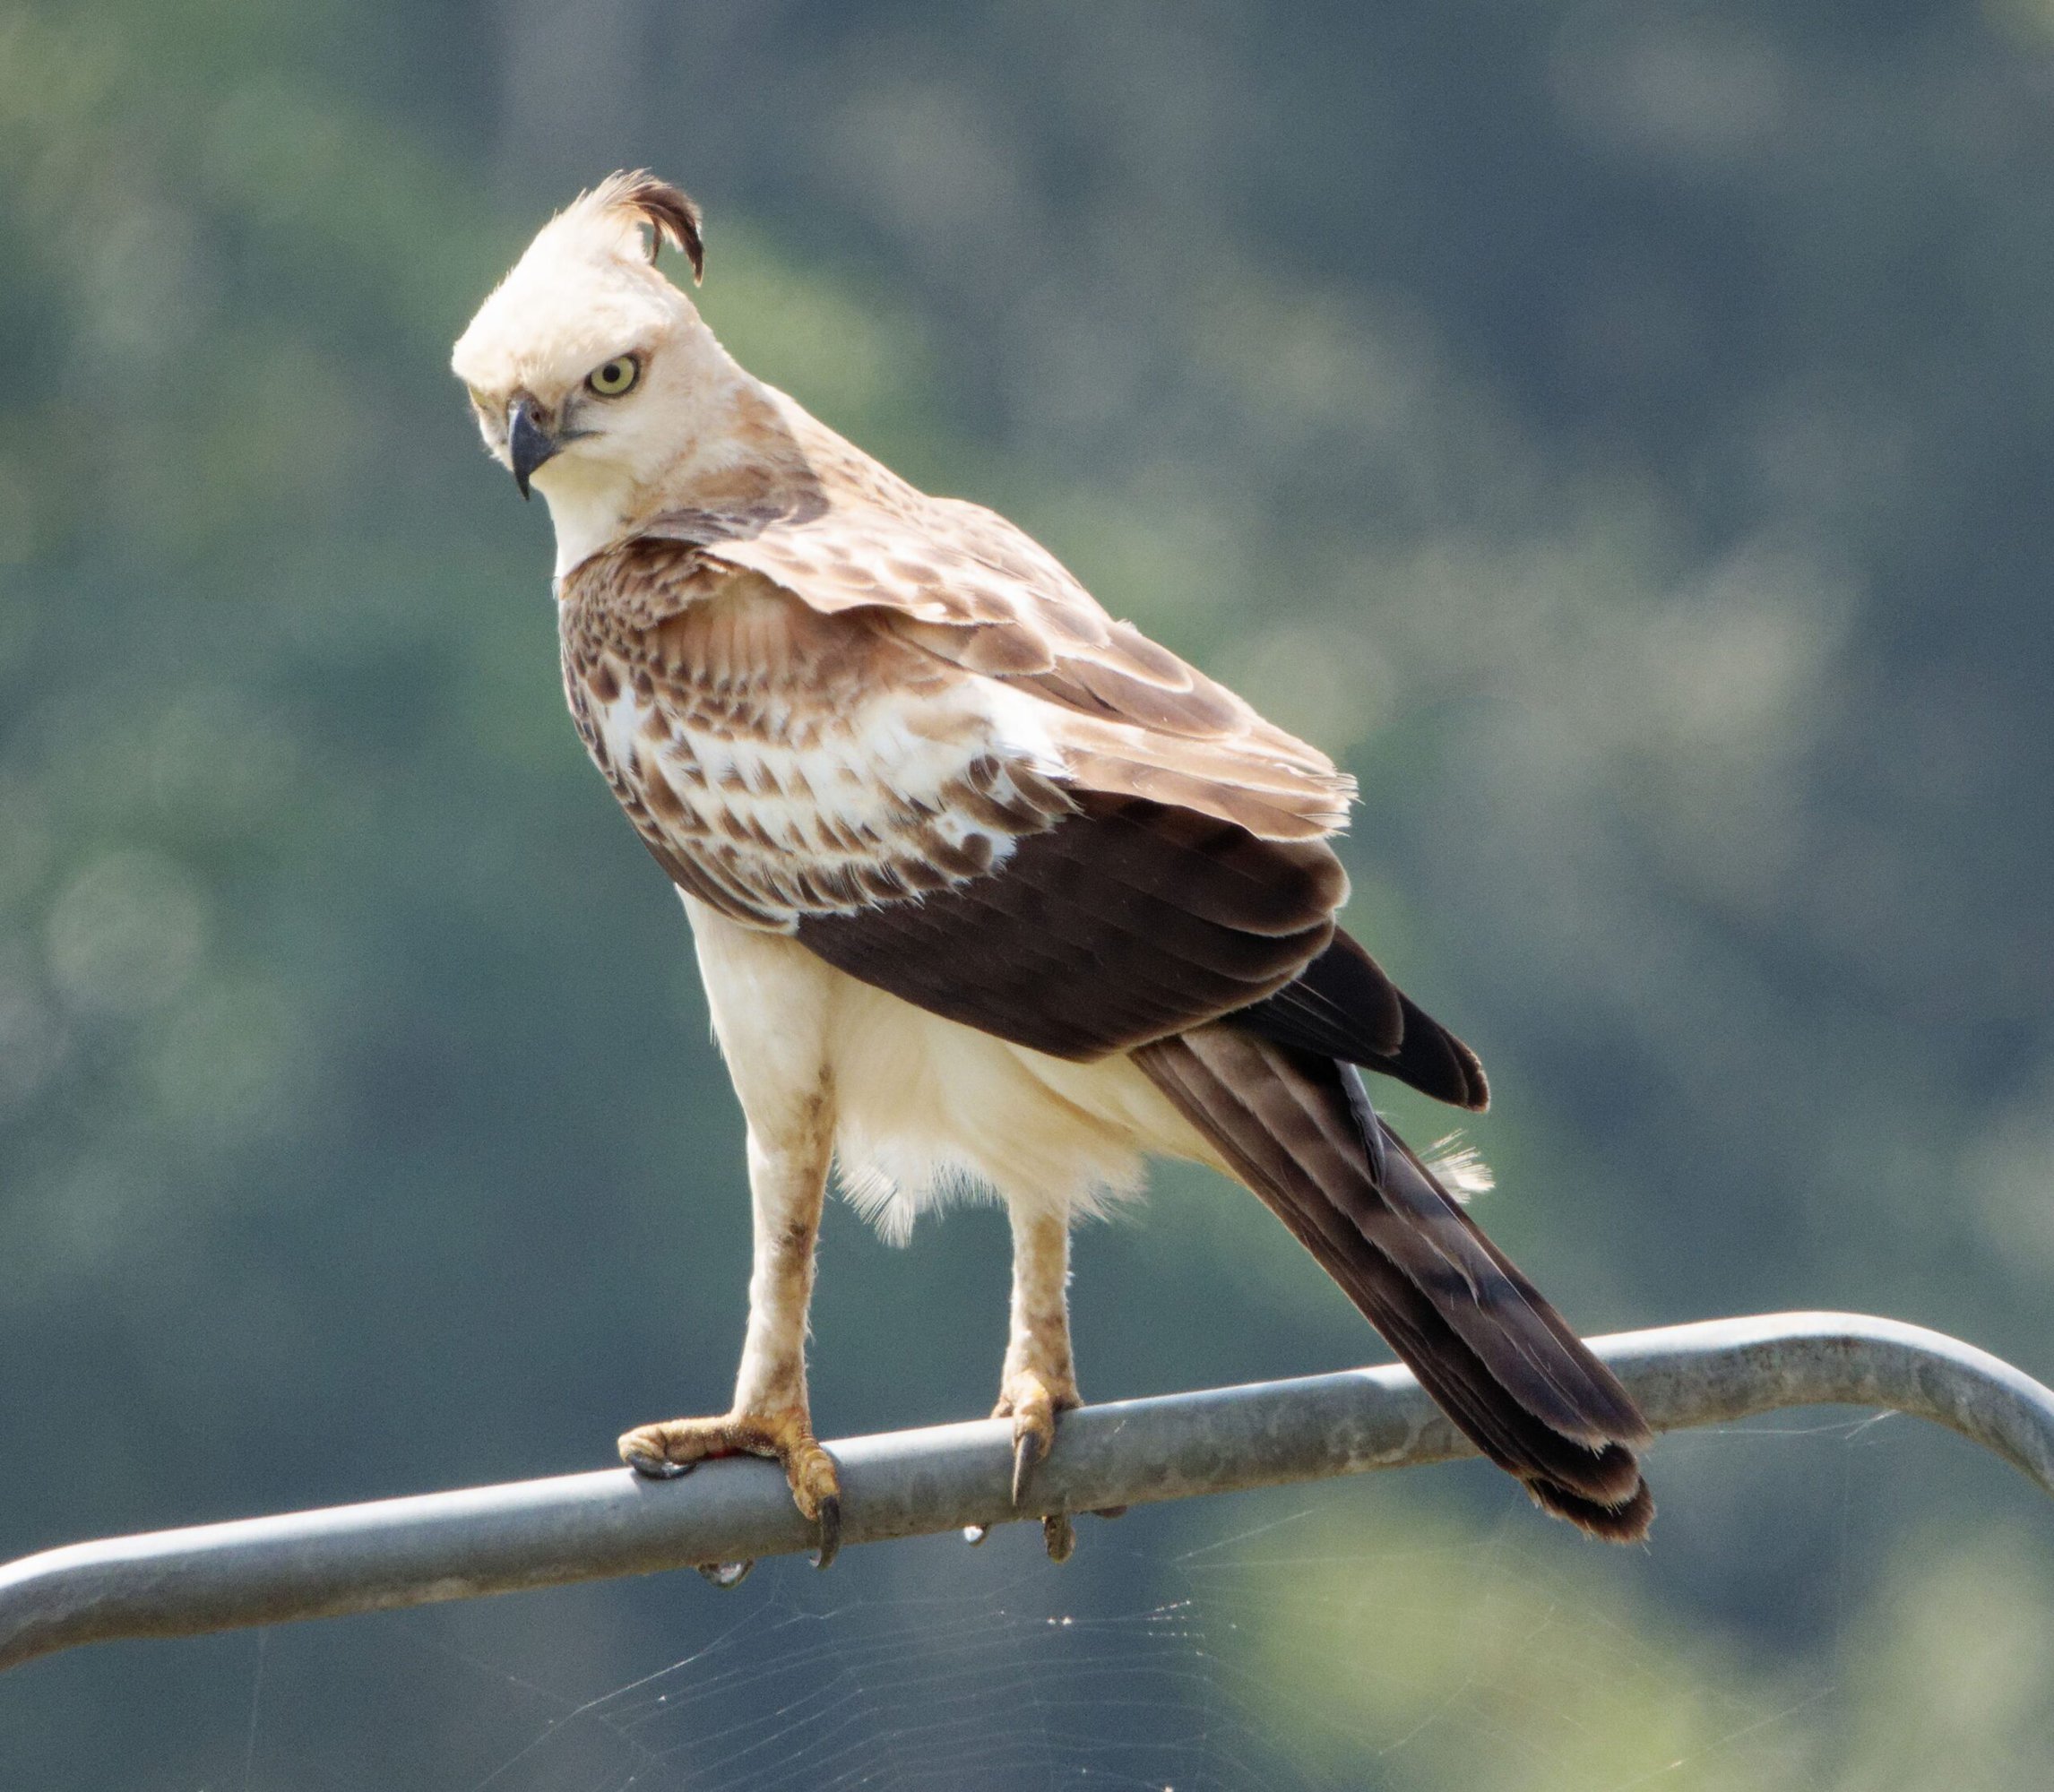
[925,1108]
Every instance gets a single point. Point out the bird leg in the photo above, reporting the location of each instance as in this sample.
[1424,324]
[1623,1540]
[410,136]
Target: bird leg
[771,1416]
[1038,1383]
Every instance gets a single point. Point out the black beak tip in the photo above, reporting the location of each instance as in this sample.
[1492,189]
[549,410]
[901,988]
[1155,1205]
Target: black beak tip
[527,444]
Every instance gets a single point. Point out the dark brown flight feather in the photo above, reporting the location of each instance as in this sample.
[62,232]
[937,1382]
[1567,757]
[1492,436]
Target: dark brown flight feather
[1343,1004]
[1123,922]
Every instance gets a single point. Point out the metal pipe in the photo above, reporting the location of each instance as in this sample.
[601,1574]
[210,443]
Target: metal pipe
[501,1539]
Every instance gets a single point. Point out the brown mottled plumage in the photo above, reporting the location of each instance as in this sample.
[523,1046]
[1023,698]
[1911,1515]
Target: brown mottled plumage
[985,886]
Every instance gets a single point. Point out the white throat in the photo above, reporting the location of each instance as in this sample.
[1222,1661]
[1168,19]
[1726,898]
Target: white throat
[590,506]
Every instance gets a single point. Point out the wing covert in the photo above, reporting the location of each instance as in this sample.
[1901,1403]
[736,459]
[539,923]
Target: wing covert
[967,587]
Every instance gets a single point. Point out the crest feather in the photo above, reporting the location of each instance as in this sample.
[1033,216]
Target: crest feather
[669,211]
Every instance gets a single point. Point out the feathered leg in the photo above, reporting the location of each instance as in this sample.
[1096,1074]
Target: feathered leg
[1038,1383]
[771,1416]
[770,1022]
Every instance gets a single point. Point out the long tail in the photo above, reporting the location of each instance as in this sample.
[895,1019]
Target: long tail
[1296,1126]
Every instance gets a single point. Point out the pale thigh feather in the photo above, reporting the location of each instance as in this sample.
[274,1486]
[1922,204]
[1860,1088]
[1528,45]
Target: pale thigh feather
[925,1108]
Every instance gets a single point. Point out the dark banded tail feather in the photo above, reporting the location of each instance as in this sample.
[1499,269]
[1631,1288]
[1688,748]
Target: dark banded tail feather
[1493,1353]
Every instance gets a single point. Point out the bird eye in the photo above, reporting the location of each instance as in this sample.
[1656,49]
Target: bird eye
[617,376]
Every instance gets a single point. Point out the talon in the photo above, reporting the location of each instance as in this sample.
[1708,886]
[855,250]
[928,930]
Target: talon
[1059,1536]
[642,1450]
[656,1468]
[830,1531]
[1110,1511]
[1029,1449]
[1034,1407]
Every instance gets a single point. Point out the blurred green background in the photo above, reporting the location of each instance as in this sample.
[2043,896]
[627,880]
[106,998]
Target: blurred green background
[1623,433]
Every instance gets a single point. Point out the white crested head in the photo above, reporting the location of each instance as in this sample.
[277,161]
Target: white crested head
[592,373]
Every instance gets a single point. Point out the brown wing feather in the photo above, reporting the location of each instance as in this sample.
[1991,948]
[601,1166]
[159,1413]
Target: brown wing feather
[1343,1005]
[1125,923]
[962,583]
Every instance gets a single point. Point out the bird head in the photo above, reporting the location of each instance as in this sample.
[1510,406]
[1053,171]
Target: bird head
[588,369]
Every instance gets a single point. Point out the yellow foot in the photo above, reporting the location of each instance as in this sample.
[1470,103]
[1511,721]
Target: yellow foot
[673,1446]
[1034,1402]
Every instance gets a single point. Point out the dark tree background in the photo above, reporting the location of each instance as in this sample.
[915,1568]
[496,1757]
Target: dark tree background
[1624,433]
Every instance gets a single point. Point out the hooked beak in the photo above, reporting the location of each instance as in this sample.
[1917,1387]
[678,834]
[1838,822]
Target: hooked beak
[528,444]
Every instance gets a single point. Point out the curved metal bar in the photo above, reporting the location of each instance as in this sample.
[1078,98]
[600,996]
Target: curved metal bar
[500,1540]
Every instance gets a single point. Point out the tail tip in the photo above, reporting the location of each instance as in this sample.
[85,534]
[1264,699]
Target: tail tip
[1625,1520]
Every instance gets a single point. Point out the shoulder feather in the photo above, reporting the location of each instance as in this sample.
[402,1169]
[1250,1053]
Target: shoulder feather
[1127,717]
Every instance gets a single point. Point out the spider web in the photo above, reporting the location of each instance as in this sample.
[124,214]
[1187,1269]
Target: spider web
[911,1694]
[1411,1631]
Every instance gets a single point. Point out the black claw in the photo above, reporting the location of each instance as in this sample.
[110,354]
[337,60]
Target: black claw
[1109,1511]
[1028,1450]
[658,1467]
[829,1533]
[1058,1536]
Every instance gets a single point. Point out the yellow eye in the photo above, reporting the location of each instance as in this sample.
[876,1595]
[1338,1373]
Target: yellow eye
[618,375]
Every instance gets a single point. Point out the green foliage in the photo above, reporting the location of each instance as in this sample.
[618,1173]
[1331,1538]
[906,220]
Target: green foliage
[1409,1657]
